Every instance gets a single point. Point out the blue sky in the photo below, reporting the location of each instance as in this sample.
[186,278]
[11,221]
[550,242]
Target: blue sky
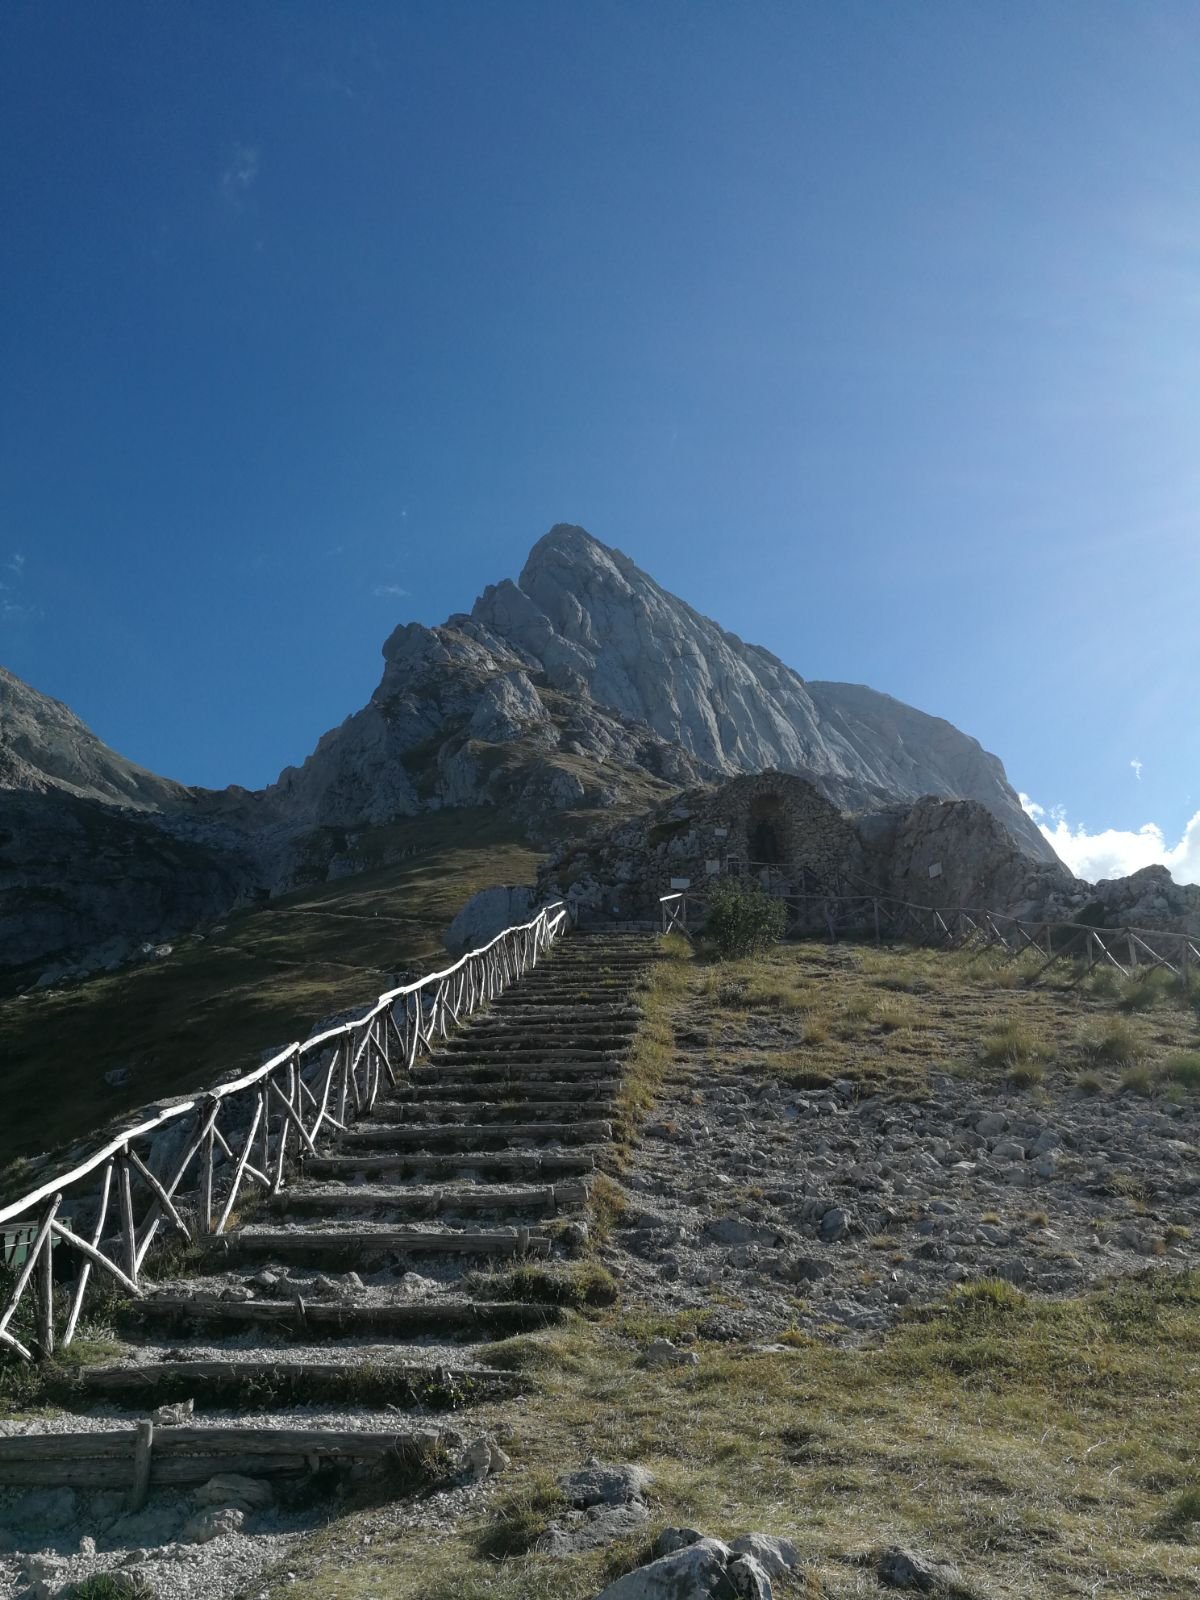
[873,330]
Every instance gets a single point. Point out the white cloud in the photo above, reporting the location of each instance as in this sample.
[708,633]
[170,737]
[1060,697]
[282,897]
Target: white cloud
[389,591]
[240,175]
[1137,768]
[1116,852]
[17,564]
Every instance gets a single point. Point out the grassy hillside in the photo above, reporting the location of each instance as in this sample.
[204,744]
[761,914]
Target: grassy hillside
[252,982]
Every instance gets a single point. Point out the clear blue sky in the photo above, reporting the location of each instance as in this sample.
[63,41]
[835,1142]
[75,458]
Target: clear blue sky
[871,329]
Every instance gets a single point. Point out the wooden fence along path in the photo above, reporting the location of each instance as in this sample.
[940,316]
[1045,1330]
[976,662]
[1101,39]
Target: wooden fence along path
[248,1130]
[878,917]
[440,1149]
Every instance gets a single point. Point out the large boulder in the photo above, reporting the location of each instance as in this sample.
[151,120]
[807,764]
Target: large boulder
[697,1572]
[488,913]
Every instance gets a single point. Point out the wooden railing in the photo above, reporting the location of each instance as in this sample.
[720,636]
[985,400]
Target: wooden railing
[880,916]
[243,1131]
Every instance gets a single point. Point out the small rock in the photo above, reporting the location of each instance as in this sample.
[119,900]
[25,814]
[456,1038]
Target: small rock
[43,1565]
[208,1525]
[231,1489]
[117,1077]
[176,1415]
[749,1579]
[595,1484]
[991,1123]
[777,1557]
[662,1353]
[836,1224]
[672,1539]
[87,1545]
[803,1269]
[575,1235]
[484,1457]
[1008,1150]
[903,1569]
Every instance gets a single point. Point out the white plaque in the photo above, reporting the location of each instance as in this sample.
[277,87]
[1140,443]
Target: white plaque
[935,870]
[681,883]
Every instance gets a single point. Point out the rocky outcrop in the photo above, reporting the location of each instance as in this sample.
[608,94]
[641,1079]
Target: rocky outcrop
[488,913]
[1149,898]
[83,883]
[955,853]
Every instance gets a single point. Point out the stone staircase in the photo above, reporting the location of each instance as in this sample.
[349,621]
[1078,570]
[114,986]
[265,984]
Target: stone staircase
[349,1295]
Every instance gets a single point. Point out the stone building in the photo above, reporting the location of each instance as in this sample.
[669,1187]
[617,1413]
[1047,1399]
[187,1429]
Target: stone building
[771,826]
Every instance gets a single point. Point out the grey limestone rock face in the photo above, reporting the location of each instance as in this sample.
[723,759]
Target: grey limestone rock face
[488,913]
[588,614]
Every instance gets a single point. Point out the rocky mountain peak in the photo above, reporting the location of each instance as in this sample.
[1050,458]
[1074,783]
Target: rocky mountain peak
[594,623]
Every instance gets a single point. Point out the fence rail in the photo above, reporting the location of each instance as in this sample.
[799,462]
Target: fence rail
[880,916]
[247,1130]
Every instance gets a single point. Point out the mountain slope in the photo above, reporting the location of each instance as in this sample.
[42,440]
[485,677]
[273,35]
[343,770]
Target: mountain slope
[44,746]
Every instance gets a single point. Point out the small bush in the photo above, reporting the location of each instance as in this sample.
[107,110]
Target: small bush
[1180,1515]
[111,1586]
[743,919]
[1026,1074]
[1137,1081]
[1183,1068]
[1016,1049]
[1117,1041]
[1088,1083]
[1103,983]
[1144,990]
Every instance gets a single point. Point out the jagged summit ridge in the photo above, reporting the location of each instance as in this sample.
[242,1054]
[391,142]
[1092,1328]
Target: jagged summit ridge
[594,622]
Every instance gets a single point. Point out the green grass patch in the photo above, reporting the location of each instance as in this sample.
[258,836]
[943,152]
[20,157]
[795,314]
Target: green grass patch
[1046,1447]
[579,1285]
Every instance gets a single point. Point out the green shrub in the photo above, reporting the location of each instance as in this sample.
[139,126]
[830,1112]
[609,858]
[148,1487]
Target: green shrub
[1183,1068]
[1117,1041]
[743,918]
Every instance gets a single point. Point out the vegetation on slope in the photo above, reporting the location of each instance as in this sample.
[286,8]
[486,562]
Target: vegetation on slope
[251,983]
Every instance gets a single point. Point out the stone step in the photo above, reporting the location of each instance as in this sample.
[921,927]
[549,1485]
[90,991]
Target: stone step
[441,1318]
[551,1012]
[465,1085]
[371,1242]
[531,1056]
[516,1164]
[602,1028]
[274,1381]
[522,1109]
[464,1136]
[436,1074]
[403,1200]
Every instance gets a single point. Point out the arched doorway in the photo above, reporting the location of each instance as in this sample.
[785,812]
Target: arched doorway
[764,831]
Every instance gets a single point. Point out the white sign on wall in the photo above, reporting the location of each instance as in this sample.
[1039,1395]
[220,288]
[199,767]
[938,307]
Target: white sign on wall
[935,870]
[681,883]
